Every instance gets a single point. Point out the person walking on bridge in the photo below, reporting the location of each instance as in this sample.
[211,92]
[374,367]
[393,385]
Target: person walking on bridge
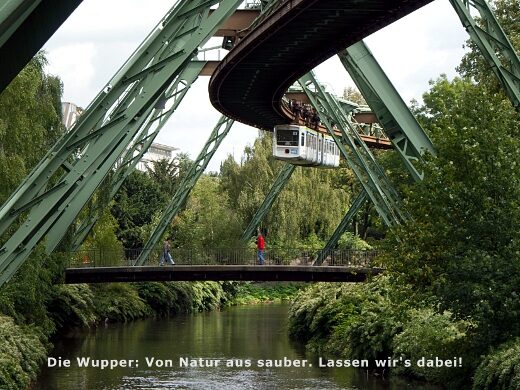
[260,244]
[166,256]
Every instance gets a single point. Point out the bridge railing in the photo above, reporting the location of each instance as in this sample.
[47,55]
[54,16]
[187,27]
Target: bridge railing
[240,256]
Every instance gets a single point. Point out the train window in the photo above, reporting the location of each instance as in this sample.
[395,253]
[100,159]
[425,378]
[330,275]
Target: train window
[303,140]
[286,137]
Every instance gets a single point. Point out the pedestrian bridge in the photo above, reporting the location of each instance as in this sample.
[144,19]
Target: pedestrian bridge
[220,265]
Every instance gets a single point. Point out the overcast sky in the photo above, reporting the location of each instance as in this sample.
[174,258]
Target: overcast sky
[100,35]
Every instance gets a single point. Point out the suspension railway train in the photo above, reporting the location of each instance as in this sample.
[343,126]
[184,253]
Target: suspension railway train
[300,145]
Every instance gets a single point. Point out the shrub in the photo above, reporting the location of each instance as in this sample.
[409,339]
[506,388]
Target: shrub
[433,335]
[21,352]
[119,302]
[500,370]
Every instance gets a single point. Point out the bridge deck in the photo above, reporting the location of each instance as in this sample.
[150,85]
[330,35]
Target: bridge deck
[219,272]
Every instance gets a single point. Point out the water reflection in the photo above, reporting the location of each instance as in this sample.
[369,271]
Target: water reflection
[240,333]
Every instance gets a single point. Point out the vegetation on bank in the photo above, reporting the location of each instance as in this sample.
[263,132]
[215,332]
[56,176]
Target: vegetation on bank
[451,288]
[453,272]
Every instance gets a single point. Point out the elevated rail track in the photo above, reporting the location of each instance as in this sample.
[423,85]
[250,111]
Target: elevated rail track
[248,85]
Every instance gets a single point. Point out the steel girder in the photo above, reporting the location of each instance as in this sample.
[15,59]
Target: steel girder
[87,153]
[399,124]
[333,240]
[494,45]
[188,182]
[25,25]
[281,180]
[355,151]
[147,134]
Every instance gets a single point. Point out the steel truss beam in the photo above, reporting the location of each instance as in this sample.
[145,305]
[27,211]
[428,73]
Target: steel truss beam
[147,134]
[493,44]
[399,124]
[343,225]
[89,151]
[281,180]
[355,151]
[188,182]
[25,25]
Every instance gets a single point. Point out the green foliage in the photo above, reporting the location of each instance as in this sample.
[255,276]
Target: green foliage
[500,370]
[72,305]
[207,221]
[430,335]
[251,293]
[463,242]
[137,201]
[21,353]
[349,240]
[119,302]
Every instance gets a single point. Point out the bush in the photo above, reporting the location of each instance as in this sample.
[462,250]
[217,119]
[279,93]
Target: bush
[119,302]
[429,334]
[21,353]
[500,370]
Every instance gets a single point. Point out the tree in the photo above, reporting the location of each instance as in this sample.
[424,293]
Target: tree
[463,242]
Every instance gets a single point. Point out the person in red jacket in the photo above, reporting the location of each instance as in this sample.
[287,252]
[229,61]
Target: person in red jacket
[260,244]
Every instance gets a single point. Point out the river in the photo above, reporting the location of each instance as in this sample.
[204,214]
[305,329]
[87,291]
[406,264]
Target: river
[241,334]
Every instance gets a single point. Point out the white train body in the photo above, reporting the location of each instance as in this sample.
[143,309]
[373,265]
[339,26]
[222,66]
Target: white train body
[300,145]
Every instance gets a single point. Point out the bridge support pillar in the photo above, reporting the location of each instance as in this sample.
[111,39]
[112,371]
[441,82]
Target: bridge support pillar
[77,164]
[147,134]
[493,44]
[359,158]
[399,124]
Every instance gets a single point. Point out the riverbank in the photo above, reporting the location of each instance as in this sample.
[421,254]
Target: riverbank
[26,347]
[383,325]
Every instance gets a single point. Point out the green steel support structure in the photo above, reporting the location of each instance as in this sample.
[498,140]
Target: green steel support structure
[356,152]
[25,25]
[80,160]
[407,136]
[179,198]
[343,225]
[147,134]
[281,180]
[493,43]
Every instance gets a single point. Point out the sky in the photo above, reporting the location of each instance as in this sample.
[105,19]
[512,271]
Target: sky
[100,35]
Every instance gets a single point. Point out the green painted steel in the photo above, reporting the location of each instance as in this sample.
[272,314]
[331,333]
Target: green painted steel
[12,15]
[342,227]
[84,156]
[25,25]
[355,151]
[493,43]
[181,195]
[281,180]
[401,127]
[158,118]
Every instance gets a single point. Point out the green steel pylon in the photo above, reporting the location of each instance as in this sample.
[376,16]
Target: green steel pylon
[147,134]
[80,160]
[343,225]
[493,44]
[25,25]
[281,180]
[399,124]
[356,152]
[188,182]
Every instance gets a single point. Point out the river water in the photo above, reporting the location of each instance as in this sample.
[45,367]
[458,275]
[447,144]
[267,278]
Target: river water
[239,334]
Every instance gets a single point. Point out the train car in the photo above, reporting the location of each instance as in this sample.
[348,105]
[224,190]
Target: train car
[300,145]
